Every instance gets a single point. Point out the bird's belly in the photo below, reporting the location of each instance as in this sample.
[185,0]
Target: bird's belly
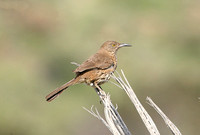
[103,78]
[96,76]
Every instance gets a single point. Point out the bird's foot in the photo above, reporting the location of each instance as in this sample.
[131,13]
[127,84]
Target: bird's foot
[102,94]
[100,101]
[102,97]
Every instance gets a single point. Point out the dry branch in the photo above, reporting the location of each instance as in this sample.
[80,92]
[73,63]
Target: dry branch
[172,127]
[150,125]
[113,120]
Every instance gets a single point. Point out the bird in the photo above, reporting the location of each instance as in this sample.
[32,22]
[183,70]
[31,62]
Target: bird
[96,70]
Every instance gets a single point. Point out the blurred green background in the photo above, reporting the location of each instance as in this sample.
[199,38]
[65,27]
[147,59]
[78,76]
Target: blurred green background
[38,40]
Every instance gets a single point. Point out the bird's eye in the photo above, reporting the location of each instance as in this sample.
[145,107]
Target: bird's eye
[113,45]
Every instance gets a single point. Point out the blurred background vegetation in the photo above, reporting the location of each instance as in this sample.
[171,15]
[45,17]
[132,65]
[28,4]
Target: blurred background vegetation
[38,40]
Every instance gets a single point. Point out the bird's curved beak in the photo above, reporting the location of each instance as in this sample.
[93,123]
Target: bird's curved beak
[124,45]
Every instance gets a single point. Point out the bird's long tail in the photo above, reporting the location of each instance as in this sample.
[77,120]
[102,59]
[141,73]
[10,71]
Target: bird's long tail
[60,89]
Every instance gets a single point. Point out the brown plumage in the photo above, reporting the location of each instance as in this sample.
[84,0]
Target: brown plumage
[95,70]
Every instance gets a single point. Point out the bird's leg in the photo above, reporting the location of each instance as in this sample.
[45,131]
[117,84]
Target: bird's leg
[99,90]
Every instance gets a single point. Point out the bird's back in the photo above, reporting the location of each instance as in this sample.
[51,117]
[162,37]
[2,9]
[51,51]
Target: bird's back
[100,60]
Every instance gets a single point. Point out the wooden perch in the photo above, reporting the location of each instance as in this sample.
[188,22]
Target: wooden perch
[114,121]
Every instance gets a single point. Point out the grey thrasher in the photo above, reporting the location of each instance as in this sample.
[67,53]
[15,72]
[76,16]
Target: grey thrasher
[96,70]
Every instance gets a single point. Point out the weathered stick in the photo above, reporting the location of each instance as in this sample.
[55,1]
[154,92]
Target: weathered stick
[171,125]
[150,125]
[113,120]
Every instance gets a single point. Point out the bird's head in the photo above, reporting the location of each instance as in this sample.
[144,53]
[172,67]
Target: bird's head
[113,46]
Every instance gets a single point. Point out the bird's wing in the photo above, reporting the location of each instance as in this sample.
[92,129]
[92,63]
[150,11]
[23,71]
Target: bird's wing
[98,60]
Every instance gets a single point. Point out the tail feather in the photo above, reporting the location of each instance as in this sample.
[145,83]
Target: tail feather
[59,90]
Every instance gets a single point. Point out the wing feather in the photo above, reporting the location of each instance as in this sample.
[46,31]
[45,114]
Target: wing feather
[98,60]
